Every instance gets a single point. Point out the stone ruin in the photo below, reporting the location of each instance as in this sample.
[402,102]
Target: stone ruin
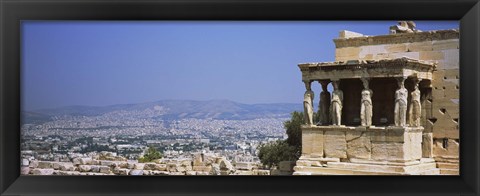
[404,27]
[106,163]
[394,106]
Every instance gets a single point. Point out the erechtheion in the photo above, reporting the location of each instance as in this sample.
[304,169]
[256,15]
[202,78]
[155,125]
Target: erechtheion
[394,108]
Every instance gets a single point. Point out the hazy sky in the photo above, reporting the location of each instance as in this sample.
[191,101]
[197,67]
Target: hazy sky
[105,63]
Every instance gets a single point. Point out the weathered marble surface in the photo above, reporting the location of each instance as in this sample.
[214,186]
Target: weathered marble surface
[366,105]
[364,150]
[308,104]
[415,111]
[400,112]
[336,104]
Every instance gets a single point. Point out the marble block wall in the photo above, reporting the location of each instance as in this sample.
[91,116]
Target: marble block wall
[440,115]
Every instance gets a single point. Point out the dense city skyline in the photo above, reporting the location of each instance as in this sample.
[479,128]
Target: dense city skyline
[107,63]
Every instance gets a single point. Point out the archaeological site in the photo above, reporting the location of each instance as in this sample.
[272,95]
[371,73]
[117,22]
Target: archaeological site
[394,108]
[387,105]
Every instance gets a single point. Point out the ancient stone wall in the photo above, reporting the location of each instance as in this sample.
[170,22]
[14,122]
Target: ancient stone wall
[334,150]
[367,143]
[440,97]
[115,165]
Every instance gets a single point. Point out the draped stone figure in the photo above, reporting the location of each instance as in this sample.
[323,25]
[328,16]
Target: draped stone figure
[415,108]
[308,105]
[336,104]
[401,104]
[324,105]
[366,105]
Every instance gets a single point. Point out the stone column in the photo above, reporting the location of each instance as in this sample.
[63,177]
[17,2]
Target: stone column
[366,104]
[336,104]
[415,111]
[401,95]
[308,103]
[324,104]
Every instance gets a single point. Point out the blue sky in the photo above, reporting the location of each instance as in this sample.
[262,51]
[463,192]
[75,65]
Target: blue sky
[103,63]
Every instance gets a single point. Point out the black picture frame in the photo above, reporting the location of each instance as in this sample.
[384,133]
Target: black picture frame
[14,11]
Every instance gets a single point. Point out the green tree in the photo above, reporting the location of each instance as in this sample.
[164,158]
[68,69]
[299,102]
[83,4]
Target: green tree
[151,154]
[287,150]
[293,129]
[272,153]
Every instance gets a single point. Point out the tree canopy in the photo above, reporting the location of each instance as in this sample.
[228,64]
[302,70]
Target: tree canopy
[272,153]
[292,127]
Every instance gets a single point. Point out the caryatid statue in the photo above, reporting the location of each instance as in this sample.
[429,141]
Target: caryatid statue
[366,104]
[415,111]
[401,104]
[324,105]
[308,104]
[336,104]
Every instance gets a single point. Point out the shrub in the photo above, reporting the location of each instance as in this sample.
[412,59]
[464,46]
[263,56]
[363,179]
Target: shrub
[151,154]
[272,153]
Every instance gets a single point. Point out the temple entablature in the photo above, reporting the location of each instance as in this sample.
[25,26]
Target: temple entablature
[387,68]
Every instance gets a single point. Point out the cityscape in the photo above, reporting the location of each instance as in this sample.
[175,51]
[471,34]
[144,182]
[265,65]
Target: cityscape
[62,135]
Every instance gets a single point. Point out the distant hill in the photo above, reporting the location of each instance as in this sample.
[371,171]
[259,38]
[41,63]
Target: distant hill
[175,109]
[34,118]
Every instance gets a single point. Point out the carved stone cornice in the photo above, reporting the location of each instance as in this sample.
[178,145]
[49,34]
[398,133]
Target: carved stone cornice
[400,67]
[397,38]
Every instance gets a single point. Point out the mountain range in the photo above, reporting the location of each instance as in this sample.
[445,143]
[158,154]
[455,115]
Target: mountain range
[173,109]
